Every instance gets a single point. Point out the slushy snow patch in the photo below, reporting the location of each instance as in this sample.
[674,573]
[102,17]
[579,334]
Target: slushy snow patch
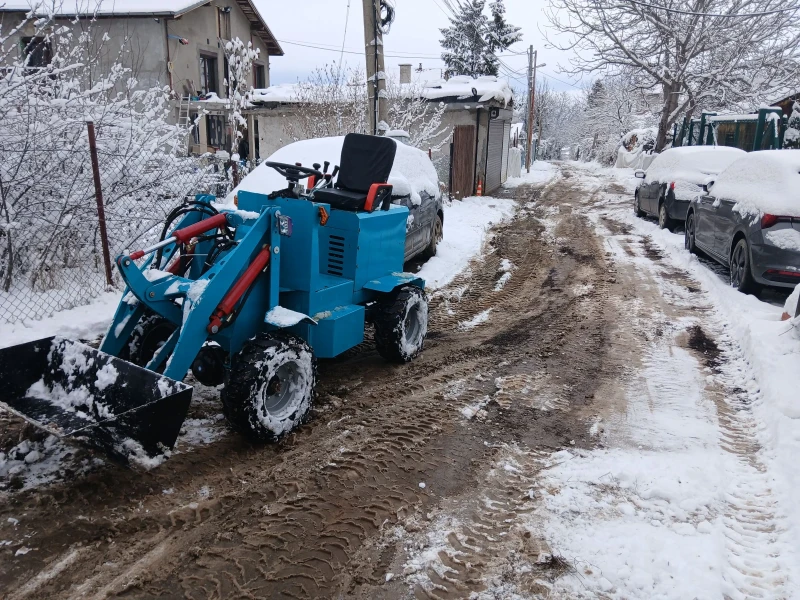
[465,224]
[478,319]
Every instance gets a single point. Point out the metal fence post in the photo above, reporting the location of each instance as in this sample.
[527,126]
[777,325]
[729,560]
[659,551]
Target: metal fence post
[98,196]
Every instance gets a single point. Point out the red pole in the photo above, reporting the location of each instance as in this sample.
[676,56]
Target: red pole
[98,196]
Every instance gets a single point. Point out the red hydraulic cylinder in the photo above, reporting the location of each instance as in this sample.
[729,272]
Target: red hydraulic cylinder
[185,234]
[228,303]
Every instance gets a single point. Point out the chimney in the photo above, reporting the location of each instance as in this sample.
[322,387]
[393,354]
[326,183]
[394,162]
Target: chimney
[405,73]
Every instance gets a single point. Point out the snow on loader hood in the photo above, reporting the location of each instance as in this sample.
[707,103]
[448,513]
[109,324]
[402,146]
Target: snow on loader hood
[412,171]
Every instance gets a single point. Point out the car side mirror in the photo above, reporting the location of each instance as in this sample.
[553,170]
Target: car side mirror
[639,174]
[707,186]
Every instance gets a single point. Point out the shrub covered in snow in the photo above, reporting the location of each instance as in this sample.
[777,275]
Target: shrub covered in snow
[48,217]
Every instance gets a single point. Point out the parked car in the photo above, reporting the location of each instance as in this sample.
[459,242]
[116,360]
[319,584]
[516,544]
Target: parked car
[748,219]
[416,185]
[675,177]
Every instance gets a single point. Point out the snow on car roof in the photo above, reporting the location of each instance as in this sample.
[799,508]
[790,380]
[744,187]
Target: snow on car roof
[692,164]
[763,182]
[412,171]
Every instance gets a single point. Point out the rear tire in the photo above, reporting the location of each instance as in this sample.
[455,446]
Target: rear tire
[637,210]
[436,237]
[688,234]
[401,324]
[269,389]
[741,273]
[664,222]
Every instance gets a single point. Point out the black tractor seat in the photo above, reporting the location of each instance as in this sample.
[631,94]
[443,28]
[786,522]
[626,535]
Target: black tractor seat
[364,169]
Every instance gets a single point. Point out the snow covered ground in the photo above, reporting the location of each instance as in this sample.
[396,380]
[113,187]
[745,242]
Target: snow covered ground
[694,493]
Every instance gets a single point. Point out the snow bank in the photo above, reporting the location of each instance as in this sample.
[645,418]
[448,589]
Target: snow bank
[83,322]
[412,172]
[541,172]
[465,224]
[763,182]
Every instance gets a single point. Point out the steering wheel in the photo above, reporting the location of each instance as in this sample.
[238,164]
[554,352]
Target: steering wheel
[293,173]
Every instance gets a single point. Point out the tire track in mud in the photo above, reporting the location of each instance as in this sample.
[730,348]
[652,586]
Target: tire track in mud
[302,519]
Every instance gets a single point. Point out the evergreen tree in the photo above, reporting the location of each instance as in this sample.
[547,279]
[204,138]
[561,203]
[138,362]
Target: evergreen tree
[472,40]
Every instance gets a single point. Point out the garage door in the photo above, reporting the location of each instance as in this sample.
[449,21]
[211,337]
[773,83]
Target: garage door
[494,156]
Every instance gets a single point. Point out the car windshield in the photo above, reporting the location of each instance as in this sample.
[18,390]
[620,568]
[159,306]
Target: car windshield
[764,182]
[691,165]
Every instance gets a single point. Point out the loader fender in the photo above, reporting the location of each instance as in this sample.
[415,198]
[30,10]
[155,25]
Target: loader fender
[389,283]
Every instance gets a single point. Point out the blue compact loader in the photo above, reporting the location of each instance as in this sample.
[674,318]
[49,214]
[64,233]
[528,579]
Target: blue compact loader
[245,296]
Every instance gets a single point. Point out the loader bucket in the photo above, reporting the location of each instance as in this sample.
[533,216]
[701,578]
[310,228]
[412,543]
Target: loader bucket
[76,392]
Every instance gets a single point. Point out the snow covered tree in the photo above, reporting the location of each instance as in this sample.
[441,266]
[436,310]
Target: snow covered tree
[471,41]
[48,218]
[411,112]
[791,139]
[333,102]
[704,55]
[330,102]
[240,59]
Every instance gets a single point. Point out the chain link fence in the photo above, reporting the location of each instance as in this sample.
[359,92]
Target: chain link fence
[51,242]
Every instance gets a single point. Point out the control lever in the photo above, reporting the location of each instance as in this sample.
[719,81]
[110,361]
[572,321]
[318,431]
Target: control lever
[325,168]
[316,166]
[335,171]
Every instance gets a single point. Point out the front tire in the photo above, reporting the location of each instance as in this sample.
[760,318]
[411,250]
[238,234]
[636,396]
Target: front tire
[741,273]
[269,389]
[688,234]
[637,209]
[401,324]
[151,332]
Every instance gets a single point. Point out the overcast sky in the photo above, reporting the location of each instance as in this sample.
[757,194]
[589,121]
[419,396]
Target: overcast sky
[414,37]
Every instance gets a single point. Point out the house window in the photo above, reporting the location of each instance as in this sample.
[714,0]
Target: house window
[259,76]
[215,131]
[37,51]
[208,74]
[225,23]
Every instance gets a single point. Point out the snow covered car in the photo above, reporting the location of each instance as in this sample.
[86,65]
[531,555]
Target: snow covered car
[749,220]
[413,177]
[675,177]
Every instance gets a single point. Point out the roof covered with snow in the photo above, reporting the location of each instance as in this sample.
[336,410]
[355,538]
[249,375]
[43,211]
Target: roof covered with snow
[463,87]
[482,89]
[412,171]
[763,182]
[139,8]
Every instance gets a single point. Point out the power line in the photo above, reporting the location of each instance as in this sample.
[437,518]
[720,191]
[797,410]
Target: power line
[305,45]
[702,14]
[344,37]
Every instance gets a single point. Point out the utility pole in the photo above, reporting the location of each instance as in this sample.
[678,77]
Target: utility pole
[531,92]
[376,79]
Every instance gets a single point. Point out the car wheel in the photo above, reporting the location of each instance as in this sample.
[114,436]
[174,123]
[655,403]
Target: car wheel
[436,237]
[688,234]
[741,274]
[664,222]
[637,210]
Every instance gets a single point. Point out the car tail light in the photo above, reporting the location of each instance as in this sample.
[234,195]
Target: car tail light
[783,273]
[672,186]
[768,221]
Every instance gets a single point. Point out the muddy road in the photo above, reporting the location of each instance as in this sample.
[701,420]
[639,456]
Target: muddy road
[513,366]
